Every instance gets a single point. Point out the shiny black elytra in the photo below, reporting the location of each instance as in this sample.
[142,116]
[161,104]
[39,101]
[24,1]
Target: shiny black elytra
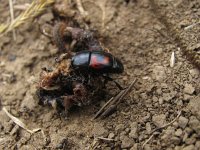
[96,62]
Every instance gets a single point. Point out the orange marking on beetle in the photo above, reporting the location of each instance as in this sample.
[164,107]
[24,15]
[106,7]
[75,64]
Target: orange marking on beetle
[95,63]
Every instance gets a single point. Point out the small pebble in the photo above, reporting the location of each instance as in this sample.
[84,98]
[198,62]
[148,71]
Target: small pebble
[134,130]
[175,140]
[194,106]
[189,147]
[111,135]
[99,130]
[160,101]
[135,147]
[126,142]
[159,73]
[159,120]
[197,145]
[187,97]
[178,132]
[189,89]
[194,72]
[190,140]
[148,127]
[182,121]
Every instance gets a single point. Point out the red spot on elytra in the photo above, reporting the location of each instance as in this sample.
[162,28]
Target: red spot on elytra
[99,62]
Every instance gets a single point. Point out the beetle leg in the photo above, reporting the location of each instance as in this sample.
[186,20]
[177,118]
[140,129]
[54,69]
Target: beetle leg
[118,85]
[107,78]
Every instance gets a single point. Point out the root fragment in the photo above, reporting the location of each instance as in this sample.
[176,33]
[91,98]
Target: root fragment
[111,105]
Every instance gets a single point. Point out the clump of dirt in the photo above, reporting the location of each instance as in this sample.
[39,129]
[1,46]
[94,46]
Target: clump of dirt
[143,37]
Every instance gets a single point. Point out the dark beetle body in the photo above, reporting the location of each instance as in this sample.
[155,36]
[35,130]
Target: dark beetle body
[96,62]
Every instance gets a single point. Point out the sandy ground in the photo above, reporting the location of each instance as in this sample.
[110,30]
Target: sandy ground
[143,34]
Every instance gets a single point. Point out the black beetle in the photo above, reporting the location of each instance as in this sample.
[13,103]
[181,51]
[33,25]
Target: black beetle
[96,62]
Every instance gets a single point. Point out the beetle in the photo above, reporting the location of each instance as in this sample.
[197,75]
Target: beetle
[91,58]
[97,62]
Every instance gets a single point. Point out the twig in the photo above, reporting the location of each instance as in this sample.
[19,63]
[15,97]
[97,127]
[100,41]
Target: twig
[12,17]
[117,100]
[164,126]
[111,101]
[118,97]
[127,91]
[147,141]
[20,123]
[111,105]
[101,110]
[105,139]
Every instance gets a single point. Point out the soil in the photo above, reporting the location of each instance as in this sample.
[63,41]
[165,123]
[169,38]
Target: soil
[143,34]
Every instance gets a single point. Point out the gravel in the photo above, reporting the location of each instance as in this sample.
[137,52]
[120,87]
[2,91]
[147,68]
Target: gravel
[134,130]
[148,127]
[194,106]
[189,89]
[99,130]
[182,122]
[159,120]
[194,72]
[194,123]
[179,132]
[159,73]
[126,142]
[189,147]
[111,135]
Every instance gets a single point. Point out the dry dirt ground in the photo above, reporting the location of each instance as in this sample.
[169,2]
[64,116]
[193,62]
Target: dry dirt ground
[143,34]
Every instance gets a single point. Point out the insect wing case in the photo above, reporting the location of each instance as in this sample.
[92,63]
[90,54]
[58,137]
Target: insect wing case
[81,60]
[101,62]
